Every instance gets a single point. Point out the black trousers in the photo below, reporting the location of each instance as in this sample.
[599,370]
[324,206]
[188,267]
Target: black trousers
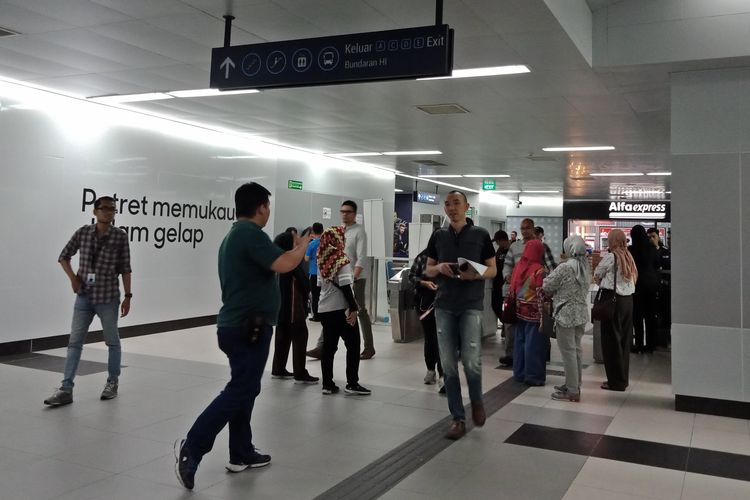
[616,340]
[497,308]
[335,327]
[290,335]
[644,311]
[431,350]
[315,294]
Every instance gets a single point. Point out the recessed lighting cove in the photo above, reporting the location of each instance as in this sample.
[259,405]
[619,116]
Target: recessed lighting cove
[579,148]
[487,71]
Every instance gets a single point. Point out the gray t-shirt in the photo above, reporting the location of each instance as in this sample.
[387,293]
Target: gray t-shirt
[331,298]
[356,247]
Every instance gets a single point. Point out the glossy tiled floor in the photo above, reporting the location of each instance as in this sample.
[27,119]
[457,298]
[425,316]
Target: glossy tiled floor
[122,449]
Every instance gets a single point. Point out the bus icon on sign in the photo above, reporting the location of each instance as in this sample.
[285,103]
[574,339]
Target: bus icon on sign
[328,58]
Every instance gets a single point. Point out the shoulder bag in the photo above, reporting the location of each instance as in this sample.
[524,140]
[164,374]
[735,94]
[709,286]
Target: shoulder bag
[605,301]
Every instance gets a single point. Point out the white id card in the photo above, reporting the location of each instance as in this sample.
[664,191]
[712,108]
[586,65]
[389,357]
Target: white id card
[90,278]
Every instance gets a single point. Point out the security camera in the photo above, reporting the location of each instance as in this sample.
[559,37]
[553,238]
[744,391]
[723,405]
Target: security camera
[519,203]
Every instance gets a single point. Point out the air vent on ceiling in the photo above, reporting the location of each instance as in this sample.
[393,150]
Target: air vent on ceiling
[443,109]
[533,157]
[7,32]
[429,163]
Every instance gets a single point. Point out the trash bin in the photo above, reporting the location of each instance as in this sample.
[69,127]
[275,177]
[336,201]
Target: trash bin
[405,325]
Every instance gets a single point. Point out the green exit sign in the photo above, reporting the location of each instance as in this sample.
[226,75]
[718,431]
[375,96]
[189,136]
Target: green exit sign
[488,184]
[294,185]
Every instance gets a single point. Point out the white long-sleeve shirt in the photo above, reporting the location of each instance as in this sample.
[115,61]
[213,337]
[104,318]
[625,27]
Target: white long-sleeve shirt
[605,272]
[356,247]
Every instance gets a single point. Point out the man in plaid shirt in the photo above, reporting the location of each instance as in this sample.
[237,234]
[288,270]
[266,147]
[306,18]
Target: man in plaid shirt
[104,254]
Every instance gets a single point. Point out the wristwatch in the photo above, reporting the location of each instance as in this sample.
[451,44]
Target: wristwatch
[128,295]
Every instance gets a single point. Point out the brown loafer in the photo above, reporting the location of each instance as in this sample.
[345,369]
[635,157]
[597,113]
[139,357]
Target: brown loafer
[456,431]
[477,413]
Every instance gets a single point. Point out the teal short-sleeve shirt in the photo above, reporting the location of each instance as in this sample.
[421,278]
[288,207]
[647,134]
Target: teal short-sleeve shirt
[248,285]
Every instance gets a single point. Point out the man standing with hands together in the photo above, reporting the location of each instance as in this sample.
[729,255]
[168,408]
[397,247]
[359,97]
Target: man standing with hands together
[459,304]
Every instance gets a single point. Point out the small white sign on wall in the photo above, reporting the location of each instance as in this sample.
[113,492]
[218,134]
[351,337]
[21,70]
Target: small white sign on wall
[359,218]
[326,213]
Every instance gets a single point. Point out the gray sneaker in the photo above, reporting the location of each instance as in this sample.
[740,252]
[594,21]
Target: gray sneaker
[59,398]
[110,390]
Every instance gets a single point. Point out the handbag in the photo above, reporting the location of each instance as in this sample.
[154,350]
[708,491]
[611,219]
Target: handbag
[509,309]
[604,302]
[547,325]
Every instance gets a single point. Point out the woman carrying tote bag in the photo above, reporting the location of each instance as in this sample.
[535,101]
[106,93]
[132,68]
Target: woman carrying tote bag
[617,333]
[569,284]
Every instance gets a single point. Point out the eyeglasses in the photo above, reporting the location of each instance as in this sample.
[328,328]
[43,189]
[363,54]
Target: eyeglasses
[346,211]
[108,209]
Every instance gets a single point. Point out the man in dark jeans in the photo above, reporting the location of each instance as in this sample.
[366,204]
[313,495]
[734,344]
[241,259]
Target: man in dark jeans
[248,263]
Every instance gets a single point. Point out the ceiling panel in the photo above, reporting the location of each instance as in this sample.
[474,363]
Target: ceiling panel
[72,12]
[23,20]
[139,9]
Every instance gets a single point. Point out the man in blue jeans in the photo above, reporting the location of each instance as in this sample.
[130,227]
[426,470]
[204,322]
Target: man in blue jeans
[248,263]
[459,304]
[104,254]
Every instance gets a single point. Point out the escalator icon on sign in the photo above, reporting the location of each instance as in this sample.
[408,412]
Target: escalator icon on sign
[328,58]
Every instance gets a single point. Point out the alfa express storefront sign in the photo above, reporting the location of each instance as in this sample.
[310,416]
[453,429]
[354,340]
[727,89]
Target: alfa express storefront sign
[638,210]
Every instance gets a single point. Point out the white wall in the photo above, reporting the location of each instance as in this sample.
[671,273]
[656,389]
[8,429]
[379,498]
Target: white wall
[53,153]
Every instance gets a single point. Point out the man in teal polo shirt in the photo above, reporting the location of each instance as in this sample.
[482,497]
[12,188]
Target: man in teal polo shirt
[248,267]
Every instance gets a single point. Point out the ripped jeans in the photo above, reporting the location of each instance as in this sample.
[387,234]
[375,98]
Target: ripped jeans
[460,334]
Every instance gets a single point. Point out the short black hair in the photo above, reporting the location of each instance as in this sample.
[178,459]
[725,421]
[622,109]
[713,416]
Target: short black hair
[500,236]
[317,228]
[652,230]
[99,200]
[285,241]
[456,191]
[350,203]
[249,197]
[290,229]
[539,230]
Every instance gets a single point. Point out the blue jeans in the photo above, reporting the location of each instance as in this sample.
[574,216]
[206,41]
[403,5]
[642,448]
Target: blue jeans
[529,353]
[83,314]
[460,334]
[234,405]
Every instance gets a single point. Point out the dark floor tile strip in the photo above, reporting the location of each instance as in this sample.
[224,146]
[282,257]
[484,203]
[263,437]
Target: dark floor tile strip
[51,363]
[380,476]
[665,456]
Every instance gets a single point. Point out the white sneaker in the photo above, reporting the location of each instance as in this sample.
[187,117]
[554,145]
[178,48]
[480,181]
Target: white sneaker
[429,378]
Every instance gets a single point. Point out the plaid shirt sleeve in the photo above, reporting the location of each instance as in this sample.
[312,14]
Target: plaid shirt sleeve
[72,247]
[549,259]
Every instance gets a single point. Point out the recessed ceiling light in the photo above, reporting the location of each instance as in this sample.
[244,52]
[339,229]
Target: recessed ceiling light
[413,153]
[486,175]
[439,176]
[399,190]
[367,153]
[487,71]
[659,173]
[119,98]
[542,191]
[507,191]
[579,148]
[209,92]
[617,174]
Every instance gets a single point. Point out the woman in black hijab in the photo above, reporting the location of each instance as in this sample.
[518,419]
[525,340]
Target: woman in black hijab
[644,300]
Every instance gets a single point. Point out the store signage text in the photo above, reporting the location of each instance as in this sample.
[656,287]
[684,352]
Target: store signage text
[627,210]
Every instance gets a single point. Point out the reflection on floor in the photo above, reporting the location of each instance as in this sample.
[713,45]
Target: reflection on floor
[122,449]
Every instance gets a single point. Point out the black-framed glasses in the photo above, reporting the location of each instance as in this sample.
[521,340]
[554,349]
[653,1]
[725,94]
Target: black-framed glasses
[346,211]
[108,209]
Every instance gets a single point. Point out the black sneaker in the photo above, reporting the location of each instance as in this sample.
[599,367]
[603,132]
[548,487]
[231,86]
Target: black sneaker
[257,460]
[185,465]
[332,389]
[506,361]
[306,379]
[283,375]
[357,389]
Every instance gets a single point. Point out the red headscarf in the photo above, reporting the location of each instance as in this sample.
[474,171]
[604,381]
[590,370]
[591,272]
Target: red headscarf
[530,263]
[331,256]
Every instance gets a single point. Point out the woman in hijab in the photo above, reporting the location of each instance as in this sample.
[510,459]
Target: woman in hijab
[646,258]
[569,285]
[291,329]
[617,333]
[337,309]
[530,347]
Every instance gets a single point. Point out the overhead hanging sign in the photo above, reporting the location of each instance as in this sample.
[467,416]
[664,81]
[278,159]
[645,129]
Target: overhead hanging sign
[409,53]
[292,184]
[425,197]
[637,210]
[488,184]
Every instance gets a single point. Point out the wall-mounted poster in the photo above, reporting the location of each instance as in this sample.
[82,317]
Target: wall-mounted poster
[401,220]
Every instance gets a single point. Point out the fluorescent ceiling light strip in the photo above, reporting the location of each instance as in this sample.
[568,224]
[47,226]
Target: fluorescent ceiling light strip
[506,191]
[633,215]
[209,92]
[658,173]
[486,175]
[412,153]
[114,99]
[579,148]
[486,71]
[536,191]
[399,190]
[369,153]
[617,174]
[440,176]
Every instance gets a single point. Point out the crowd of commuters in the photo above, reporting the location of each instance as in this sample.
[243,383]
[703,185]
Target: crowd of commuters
[320,274]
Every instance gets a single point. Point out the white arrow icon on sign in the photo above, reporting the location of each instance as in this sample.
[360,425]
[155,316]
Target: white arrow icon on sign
[225,66]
